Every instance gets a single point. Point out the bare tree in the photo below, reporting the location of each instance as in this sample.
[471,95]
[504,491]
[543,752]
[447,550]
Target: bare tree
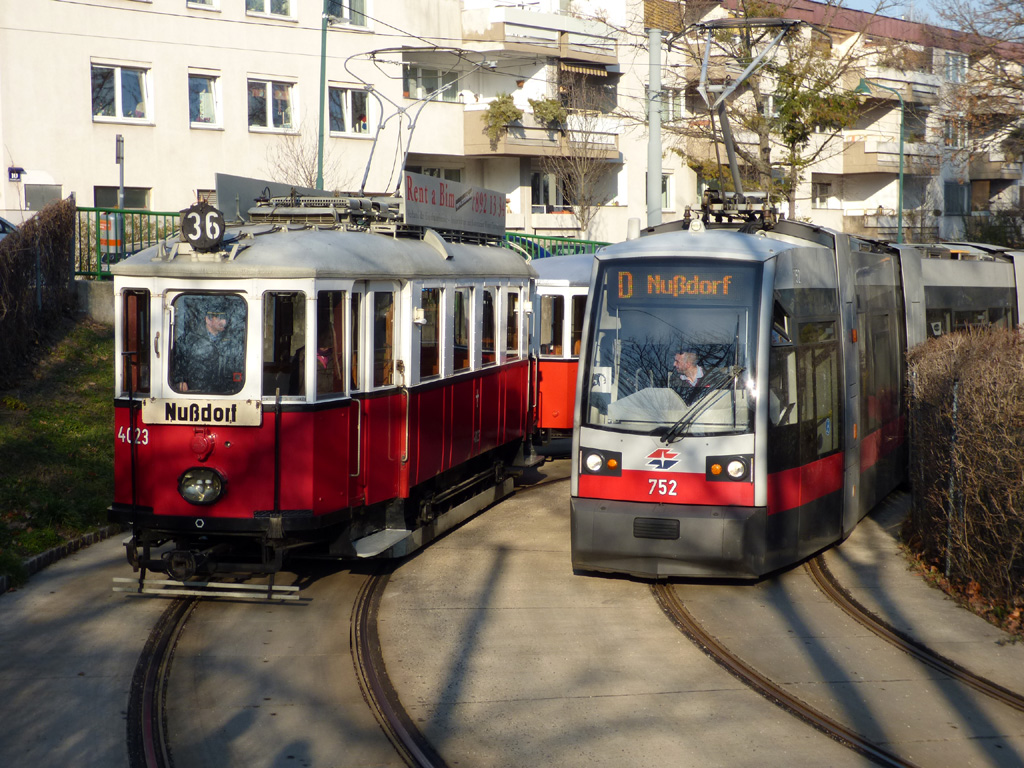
[582,167]
[292,159]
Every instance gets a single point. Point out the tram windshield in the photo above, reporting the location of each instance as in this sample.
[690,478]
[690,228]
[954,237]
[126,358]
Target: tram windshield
[207,355]
[673,346]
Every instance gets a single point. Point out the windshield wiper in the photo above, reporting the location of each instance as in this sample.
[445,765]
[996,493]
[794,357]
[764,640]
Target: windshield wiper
[716,383]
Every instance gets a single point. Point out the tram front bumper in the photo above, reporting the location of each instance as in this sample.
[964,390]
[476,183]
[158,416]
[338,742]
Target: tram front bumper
[659,541]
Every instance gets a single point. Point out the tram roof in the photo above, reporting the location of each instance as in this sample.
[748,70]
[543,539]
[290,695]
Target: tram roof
[283,252]
[717,243]
[574,269]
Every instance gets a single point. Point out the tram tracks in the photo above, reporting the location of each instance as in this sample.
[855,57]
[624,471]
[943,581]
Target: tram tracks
[672,605]
[148,745]
[827,583]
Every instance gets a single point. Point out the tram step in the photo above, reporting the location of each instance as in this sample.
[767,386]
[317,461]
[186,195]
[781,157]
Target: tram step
[171,588]
[375,543]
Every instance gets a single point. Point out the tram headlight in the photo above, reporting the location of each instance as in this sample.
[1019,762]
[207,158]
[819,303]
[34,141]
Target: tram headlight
[736,469]
[729,468]
[201,485]
[596,461]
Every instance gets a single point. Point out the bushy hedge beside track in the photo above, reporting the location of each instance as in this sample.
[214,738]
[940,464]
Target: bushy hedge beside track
[967,463]
[36,283]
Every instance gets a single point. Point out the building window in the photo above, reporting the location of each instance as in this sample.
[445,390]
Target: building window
[348,11]
[269,7]
[204,100]
[821,191]
[956,67]
[211,4]
[672,106]
[348,111]
[422,83]
[667,192]
[273,112]
[954,132]
[135,198]
[119,92]
[546,193]
[448,174]
[956,199]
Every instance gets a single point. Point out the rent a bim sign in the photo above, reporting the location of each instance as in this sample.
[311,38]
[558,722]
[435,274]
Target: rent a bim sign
[441,204]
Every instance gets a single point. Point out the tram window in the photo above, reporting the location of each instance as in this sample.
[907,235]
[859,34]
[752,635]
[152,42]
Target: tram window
[135,342]
[430,302]
[383,338]
[357,305]
[780,325]
[207,354]
[819,405]
[460,328]
[284,344]
[488,332]
[782,415]
[579,307]
[512,325]
[552,309]
[330,343]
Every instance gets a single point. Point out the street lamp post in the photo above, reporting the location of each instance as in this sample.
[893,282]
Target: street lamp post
[323,89]
[864,86]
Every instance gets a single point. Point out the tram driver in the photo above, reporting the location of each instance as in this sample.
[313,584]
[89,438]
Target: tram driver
[209,354]
[687,377]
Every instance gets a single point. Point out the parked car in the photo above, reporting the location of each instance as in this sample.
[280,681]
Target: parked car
[6,228]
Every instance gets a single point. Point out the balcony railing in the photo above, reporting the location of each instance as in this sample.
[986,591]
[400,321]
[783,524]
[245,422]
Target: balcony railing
[528,138]
[525,26]
[882,155]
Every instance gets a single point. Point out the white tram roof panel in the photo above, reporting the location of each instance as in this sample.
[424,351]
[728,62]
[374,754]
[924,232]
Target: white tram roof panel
[573,269]
[721,244]
[283,252]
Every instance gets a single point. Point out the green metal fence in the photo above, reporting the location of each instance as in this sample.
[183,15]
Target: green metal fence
[543,246]
[104,236]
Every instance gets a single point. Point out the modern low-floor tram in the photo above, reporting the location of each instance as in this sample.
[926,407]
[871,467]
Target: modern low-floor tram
[798,427]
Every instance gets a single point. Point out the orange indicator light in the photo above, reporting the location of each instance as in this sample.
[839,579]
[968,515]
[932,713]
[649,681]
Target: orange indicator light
[716,469]
[612,463]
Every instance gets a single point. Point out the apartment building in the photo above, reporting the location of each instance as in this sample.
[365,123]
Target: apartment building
[199,87]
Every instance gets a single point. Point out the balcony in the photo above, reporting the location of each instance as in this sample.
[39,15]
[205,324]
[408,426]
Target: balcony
[882,155]
[994,165]
[915,87]
[528,138]
[533,33]
[917,227]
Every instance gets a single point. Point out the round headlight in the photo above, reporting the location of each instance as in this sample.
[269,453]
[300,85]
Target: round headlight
[201,485]
[594,462]
[736,469]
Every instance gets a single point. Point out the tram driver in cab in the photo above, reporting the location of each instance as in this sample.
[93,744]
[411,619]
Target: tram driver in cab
[687,377]
[209,353]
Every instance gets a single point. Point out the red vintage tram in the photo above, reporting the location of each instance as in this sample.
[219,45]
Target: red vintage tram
[332,379]
[562,285]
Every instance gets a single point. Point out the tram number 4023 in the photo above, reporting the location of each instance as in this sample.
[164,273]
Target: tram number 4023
[662,487]
[141,435]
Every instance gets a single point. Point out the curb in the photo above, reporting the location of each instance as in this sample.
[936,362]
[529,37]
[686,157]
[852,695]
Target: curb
[36,563]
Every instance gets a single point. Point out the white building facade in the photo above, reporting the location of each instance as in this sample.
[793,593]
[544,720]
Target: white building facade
[200,87]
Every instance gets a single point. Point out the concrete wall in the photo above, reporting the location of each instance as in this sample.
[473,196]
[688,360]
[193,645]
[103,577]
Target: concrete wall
[96,300]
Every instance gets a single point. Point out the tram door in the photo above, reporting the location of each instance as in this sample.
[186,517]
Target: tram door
[805,425]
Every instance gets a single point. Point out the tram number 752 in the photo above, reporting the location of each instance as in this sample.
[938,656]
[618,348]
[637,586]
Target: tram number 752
[662,487]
